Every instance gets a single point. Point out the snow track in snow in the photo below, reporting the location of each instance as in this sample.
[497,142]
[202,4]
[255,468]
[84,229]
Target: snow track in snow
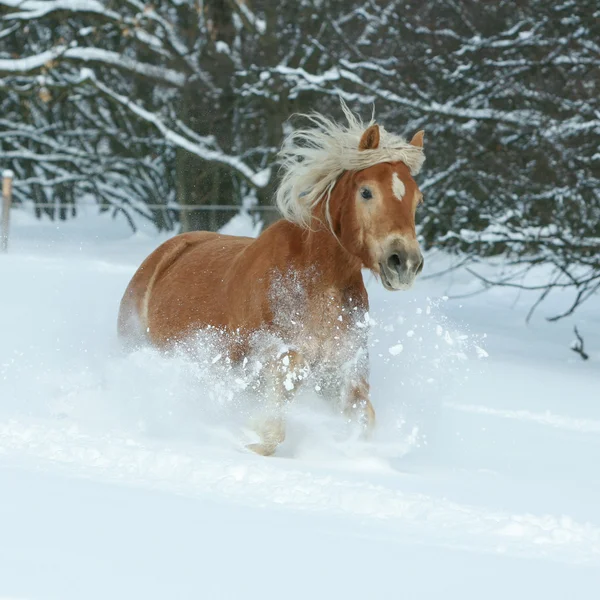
[546,418]
[277,483]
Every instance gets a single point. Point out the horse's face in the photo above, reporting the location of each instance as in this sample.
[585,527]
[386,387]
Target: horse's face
[384,199]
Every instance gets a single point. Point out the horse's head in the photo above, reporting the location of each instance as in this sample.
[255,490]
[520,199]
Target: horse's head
[373,214]
[358,181]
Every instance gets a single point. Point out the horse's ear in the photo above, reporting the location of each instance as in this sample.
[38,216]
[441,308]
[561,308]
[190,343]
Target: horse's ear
[370,138]
[417,139]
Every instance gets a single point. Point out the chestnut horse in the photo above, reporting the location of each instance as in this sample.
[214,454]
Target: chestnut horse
[295,295]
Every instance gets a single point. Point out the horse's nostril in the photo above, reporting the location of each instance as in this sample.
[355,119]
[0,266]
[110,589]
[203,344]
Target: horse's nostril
[404,263]
[394,261]
[420,267]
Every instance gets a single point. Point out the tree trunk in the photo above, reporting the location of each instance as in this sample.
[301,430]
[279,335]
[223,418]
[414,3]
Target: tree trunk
[201,183]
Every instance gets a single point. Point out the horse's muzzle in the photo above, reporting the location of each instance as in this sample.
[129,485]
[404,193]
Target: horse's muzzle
[400,267]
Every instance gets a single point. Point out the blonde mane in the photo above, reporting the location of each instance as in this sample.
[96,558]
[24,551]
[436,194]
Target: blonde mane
[313,159]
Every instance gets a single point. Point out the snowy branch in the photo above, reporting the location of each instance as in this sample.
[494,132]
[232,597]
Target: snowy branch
[257,179]
[34,9]
[90,55]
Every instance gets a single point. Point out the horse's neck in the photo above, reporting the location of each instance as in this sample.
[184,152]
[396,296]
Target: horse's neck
[336,266]
[313,258]
[315,252]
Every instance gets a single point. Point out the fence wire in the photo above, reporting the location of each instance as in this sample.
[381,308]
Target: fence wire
[175,207]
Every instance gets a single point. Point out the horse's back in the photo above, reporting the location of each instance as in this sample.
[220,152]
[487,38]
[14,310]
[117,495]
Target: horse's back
[173,284]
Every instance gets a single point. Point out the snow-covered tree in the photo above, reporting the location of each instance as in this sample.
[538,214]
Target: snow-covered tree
[185,102]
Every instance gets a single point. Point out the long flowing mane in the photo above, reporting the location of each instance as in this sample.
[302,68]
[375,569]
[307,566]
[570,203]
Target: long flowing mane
[313,159]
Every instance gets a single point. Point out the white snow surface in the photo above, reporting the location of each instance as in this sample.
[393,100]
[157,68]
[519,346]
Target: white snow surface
[126,476]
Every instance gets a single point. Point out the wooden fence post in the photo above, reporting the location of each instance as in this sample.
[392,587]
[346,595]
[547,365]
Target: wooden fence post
[7,180]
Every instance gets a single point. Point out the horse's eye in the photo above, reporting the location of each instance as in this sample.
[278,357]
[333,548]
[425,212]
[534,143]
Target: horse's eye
[366,193]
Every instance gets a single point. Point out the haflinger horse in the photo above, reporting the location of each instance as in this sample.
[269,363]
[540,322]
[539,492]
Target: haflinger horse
[294,297]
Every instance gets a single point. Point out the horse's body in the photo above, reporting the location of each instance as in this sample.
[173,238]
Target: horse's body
[295,295]
[231,283]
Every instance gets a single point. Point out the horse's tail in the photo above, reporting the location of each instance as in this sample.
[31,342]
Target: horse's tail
[132,325]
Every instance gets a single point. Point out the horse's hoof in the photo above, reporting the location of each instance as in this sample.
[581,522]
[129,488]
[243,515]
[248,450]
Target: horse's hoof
[262,449]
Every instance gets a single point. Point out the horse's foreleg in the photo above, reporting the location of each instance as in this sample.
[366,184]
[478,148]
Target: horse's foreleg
[357,405]
[283,377]
[271,431]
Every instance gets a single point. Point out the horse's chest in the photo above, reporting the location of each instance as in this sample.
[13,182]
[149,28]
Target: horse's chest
[320,321]
[330,330]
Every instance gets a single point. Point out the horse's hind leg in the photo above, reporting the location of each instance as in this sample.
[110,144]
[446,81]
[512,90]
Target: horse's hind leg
[283,377]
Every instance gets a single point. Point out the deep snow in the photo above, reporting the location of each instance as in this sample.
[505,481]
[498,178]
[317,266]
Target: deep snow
[126,475]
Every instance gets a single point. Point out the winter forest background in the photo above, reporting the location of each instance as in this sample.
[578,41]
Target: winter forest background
[146,107]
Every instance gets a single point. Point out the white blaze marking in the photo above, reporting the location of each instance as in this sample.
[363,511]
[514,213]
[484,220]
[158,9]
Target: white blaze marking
[398,187]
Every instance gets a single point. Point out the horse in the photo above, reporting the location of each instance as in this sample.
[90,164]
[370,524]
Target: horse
[294,296]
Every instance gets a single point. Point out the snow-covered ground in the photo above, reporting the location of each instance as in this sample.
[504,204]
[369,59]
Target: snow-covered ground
[126,476]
